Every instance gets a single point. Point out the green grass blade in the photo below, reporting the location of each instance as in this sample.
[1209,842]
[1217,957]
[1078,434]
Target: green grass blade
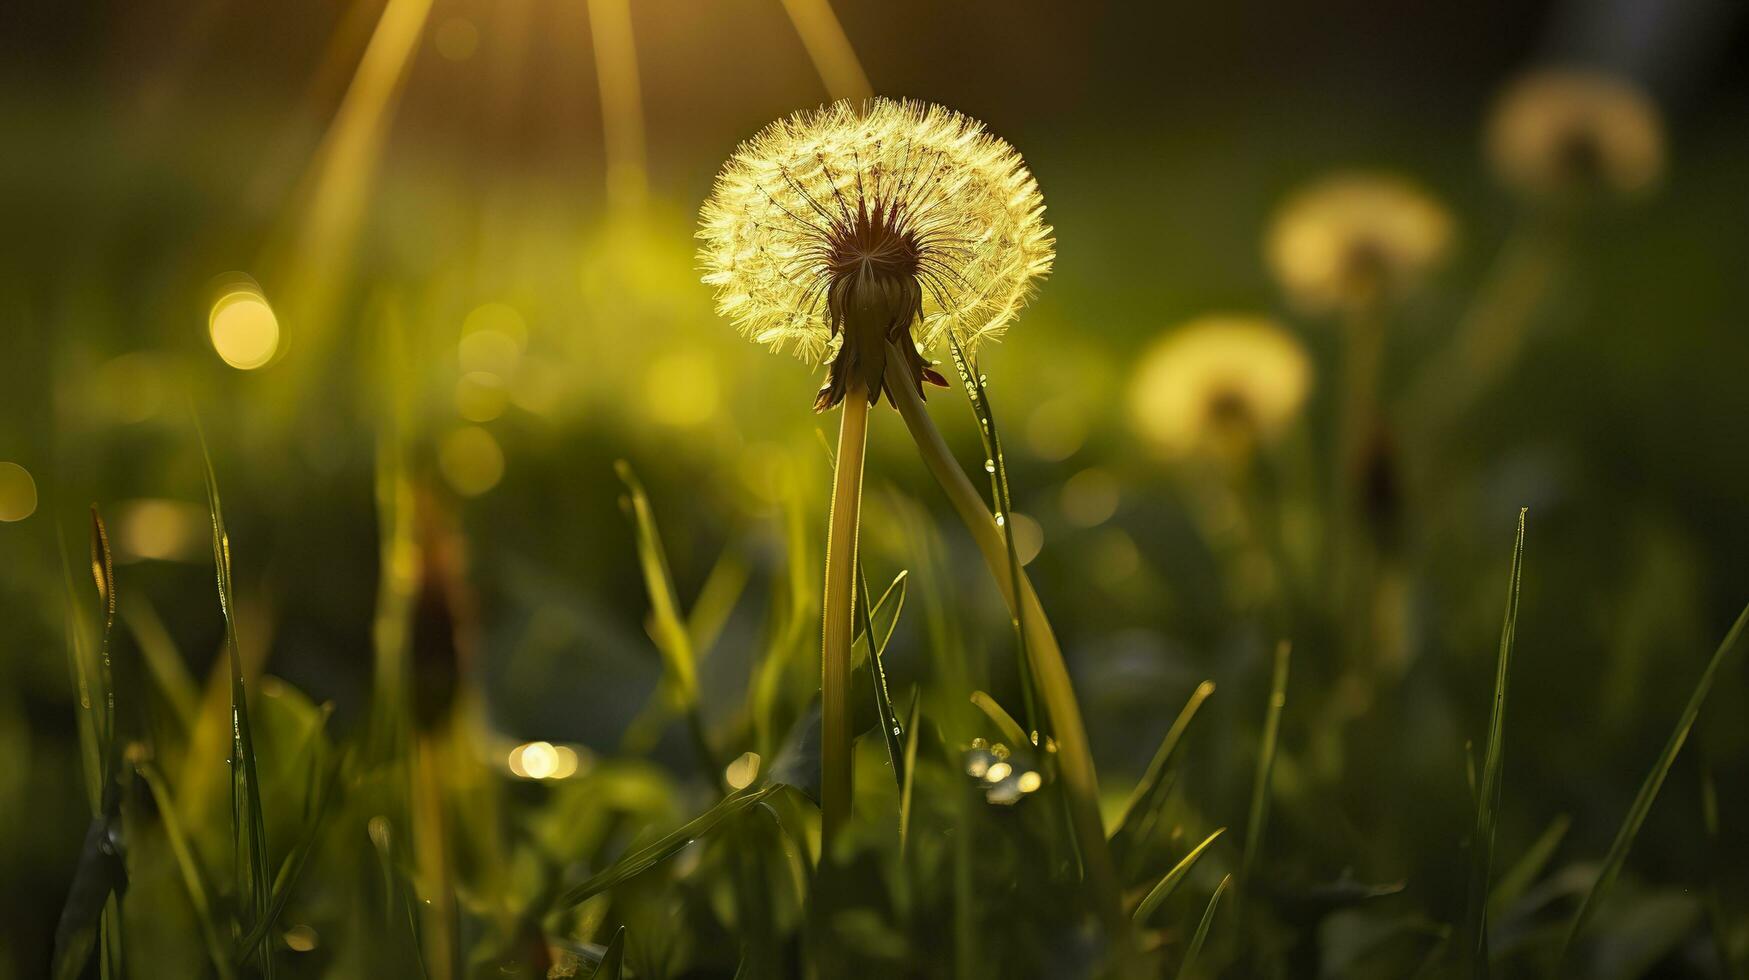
[910,780]
[1715,903]
[1005,723]
[1475,941]
[668,627]
[891,731]
[194,877]
[292,869]
[1162,891]
[103,573]
[248,825]
[83,671]
[1258,820]
[974,384]
[654,853]
[1187,969]
[613,961]
[1152,789]
[1642,805]
[716,600]
[1529,868]
[162,660]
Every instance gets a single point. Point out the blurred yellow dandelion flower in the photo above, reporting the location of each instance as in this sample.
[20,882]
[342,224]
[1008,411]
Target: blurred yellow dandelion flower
[1217,382]
[835,230]
[1565,132]
[1350,237]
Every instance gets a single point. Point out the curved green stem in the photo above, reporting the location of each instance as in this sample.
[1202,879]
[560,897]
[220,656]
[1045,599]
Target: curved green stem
[1075,760]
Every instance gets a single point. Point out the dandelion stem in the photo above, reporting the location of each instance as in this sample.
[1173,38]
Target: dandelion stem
[1074,758]
[839,603]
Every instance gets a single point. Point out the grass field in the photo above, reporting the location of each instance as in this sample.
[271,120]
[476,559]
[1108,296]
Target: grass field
[1275,507]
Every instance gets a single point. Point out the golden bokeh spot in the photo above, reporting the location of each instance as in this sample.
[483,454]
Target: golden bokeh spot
[244,330]
[1355,238]
[1029,781]
[301,938]
[741,773]
[1570,133]
[681,388]
[1090,497]
[471,461]
[1219,380]
[158,529]
[17,493]
[494,335]
[480,396]
[498,317]
[543,760]
[457,39]
[998,772]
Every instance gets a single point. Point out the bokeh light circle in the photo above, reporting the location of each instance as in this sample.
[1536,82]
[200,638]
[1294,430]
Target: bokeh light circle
[17,493]
[244,329]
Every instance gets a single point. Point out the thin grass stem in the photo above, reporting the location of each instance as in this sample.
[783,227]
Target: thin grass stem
[1642,805]
[1488,791]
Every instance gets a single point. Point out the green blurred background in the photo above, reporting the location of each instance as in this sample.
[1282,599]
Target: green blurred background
[149,149]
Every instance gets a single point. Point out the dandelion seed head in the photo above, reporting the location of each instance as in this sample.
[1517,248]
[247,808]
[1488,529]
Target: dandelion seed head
[1566,133]
[896,213]
[1350,237]
[1218,381]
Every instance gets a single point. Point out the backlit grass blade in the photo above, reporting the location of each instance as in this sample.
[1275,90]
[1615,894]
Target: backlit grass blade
[891,731]
[994,464]
[162,660]
[292,869]
[1529,868]
[654,853]
[668,626]
[1187,969]
[716,600]
[86,694]
[1005,723]
[1488,788]
[1642,805]
[910,776]
[1162,891]
[1258,819]
[103,573]
[194,876]
[613,961]
[1715,905]
[248,825]
[1151,791]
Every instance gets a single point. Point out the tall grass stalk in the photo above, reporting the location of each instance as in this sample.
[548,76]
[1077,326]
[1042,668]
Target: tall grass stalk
[1475,939]
[1642,805]
[839,602]
[1258,819]
[1075,758]
[248,825]
[669,629]
[1187,969]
